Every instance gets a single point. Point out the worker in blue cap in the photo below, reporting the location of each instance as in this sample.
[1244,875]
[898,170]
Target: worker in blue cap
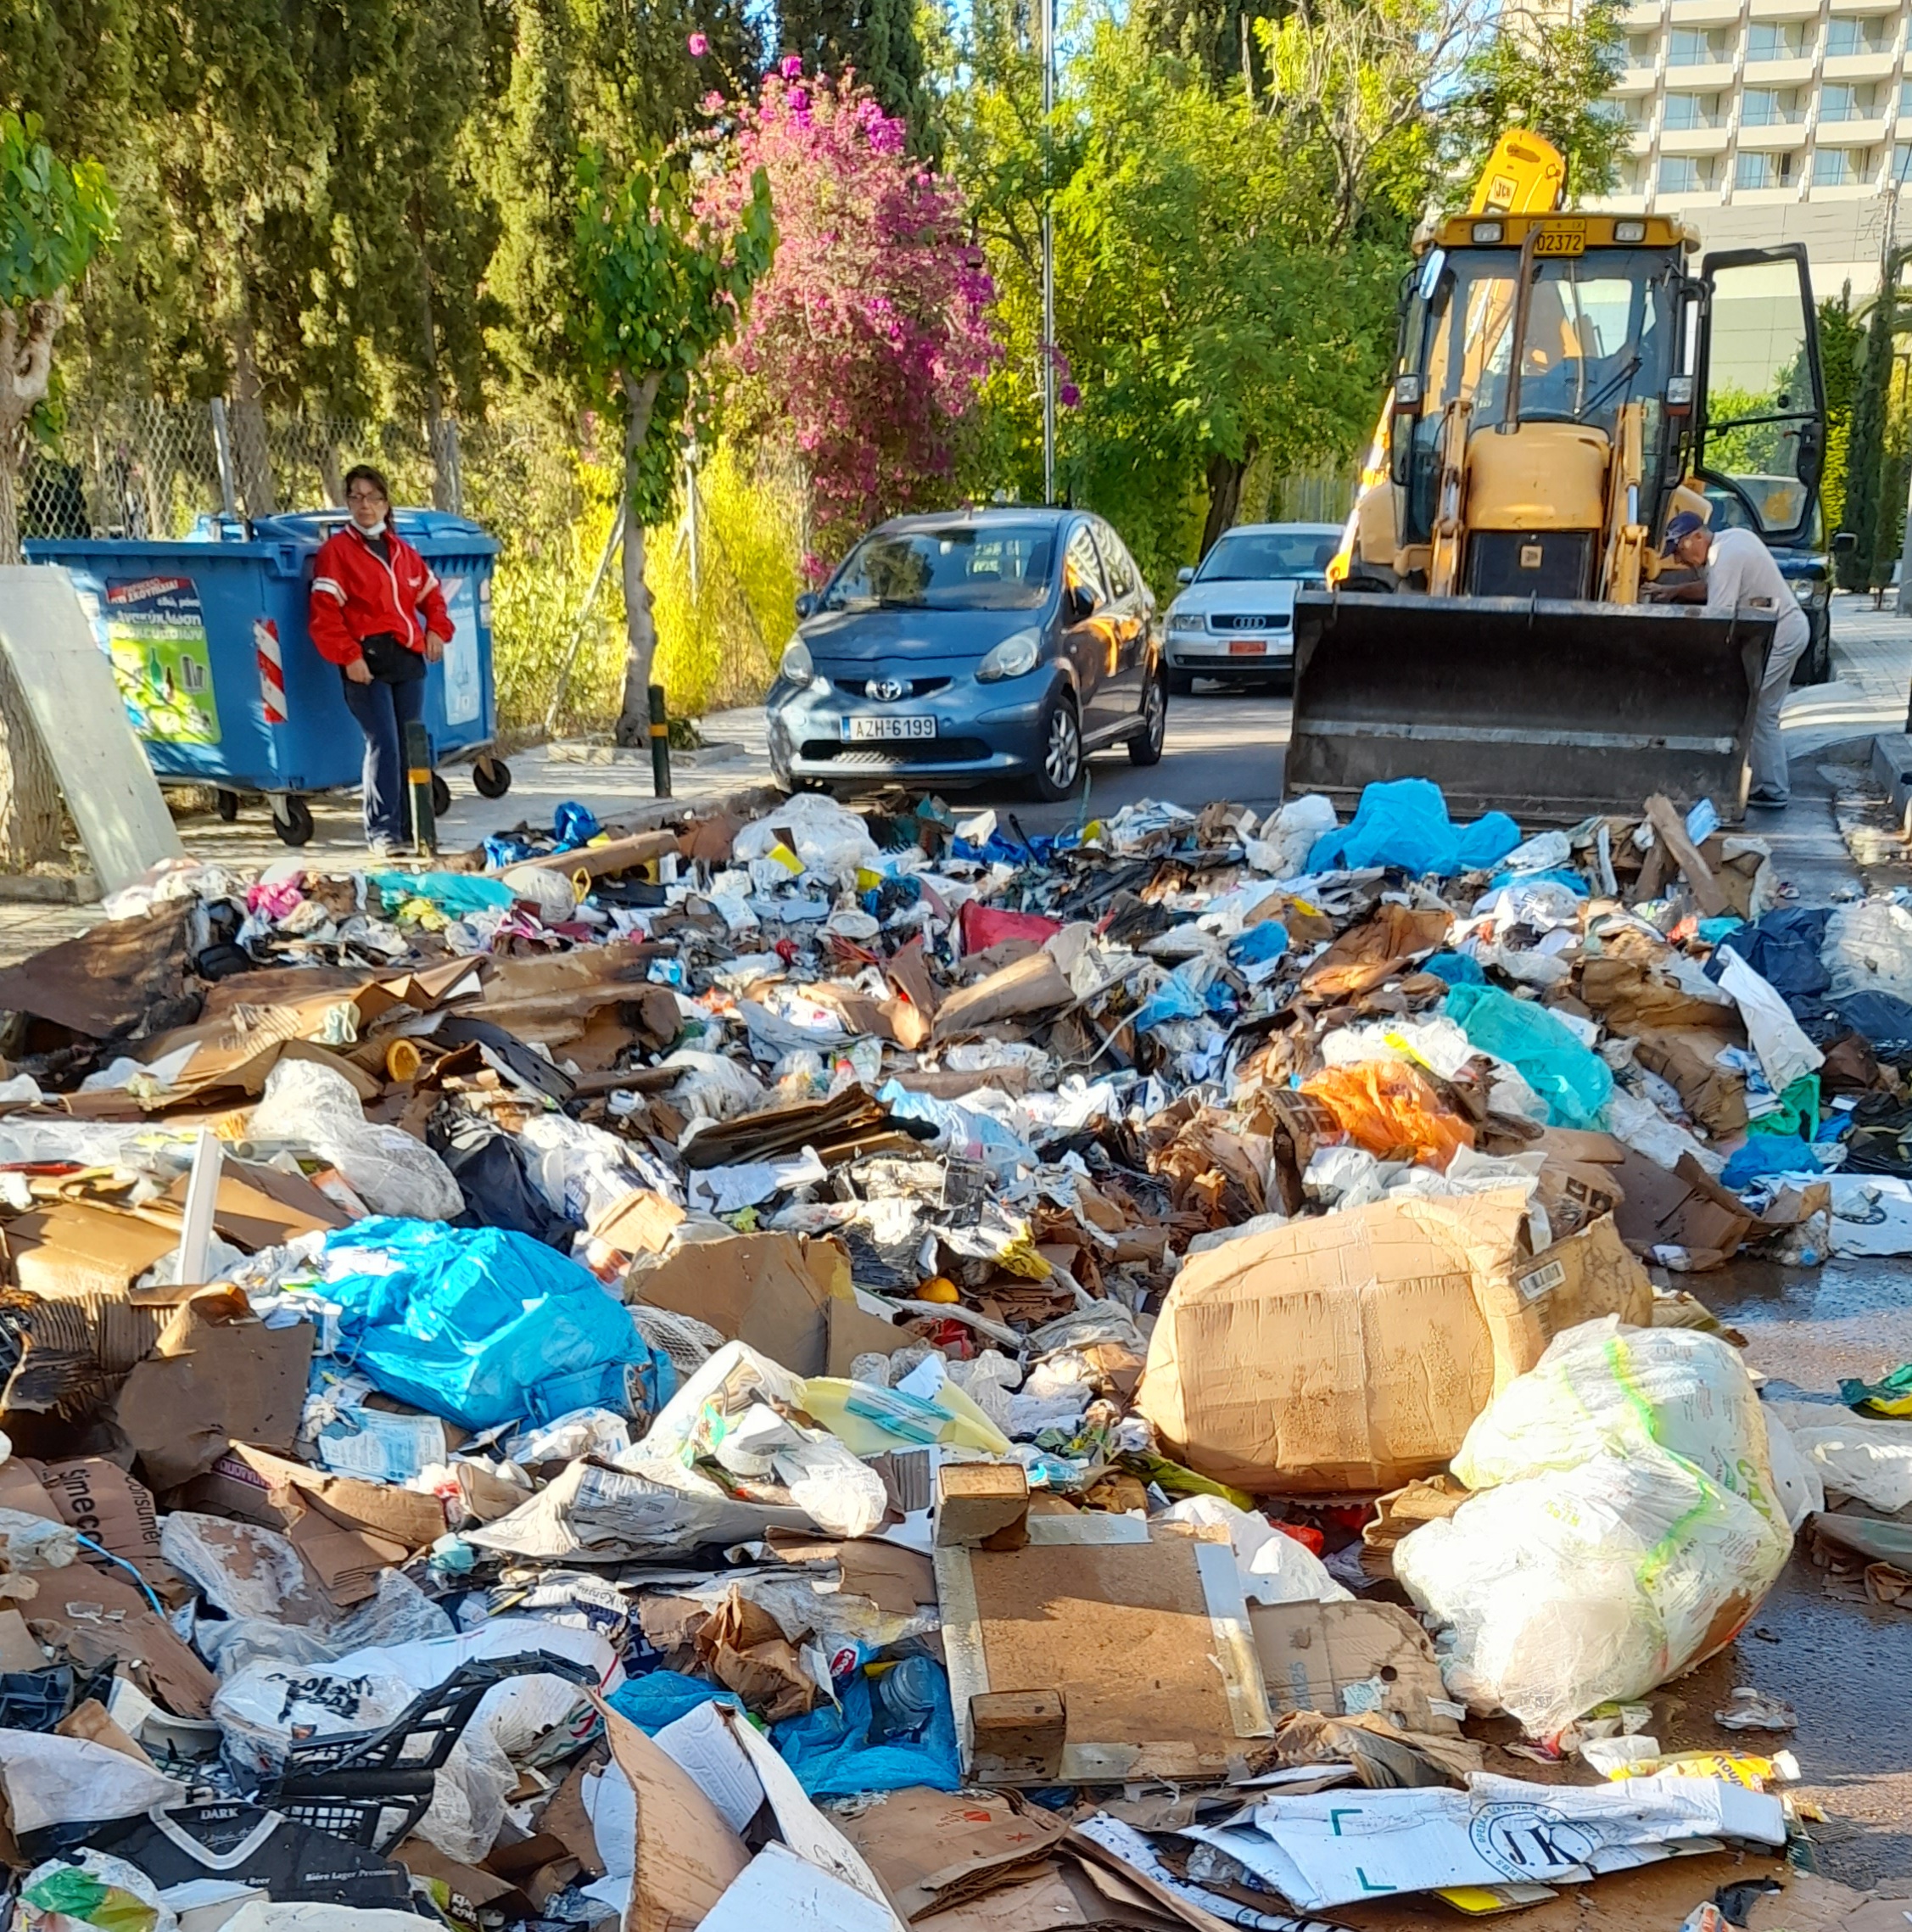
[1741,577]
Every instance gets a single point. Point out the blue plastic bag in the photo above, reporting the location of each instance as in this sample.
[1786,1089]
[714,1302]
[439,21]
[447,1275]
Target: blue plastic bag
[454,893]
[1456,968]
[1574,1082]
[1405,823]
[659,1698]
[574,824]
[865,1747]
[483,1325]
[1255,945]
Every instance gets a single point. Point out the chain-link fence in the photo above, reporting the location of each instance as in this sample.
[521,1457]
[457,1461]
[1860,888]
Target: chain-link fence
[724,574]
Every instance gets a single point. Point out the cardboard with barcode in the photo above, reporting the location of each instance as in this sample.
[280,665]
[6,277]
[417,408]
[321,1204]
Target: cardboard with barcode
[1351,1353]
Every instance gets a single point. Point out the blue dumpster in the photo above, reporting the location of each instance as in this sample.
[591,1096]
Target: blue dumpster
[221,681]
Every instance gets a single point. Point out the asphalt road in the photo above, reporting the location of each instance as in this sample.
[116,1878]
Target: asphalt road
[1226,746]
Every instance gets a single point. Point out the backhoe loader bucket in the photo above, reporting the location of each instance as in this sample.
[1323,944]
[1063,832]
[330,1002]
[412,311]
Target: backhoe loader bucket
[1549,710]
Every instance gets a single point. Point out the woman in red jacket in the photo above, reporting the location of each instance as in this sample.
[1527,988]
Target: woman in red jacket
[378,612]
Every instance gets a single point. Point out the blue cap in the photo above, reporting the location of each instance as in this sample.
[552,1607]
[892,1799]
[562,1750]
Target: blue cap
[1682,527]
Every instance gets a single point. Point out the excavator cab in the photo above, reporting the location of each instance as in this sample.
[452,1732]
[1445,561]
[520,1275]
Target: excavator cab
[1559,379]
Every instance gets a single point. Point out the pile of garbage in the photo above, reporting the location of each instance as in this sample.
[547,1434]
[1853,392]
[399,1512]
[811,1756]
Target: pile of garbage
[854,1370]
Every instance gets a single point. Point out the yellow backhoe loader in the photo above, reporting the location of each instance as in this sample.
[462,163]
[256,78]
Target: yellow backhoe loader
[1562,383]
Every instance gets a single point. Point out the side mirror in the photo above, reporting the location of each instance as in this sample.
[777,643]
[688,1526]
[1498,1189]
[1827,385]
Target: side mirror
[1078,603]
[1845,543]
[807,602]
[1186,575]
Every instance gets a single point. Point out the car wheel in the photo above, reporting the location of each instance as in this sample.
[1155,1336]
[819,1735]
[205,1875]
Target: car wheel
[1181,684]
[1815,661]
[1059,769]
[1145,748]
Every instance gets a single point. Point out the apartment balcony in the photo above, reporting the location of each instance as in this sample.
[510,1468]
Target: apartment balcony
[1638,141]
[1641,16]
[1765,197]
[1774,137]
[1693,140]
[1789,10]
[1862,66]
[1633,82]
[1845,8]
[1867,133]
[1704,13]
[1789,73]
[1707,79]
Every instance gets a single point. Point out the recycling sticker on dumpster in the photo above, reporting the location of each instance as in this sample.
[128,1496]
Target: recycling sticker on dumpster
[156,634]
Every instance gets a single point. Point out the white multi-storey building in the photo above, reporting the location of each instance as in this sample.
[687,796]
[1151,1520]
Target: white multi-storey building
[1763,121]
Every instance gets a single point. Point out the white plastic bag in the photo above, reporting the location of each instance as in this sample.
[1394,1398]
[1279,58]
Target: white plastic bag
[1801,1491]
[51,1780]
[314,1106]
[1868,948]
[1282,849]
[1274,1568]
[1577,1586]
[833,842]
[1867,1457]
[1626,1523]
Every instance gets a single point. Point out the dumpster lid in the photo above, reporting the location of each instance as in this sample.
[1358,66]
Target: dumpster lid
[311,528]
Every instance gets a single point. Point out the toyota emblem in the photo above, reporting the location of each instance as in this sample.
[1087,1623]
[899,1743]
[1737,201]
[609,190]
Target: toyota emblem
[887,690]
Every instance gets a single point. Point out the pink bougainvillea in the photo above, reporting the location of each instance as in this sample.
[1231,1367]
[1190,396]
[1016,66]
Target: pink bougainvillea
[869,335]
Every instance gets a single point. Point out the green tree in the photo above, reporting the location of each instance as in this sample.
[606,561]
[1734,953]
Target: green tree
[877,38]
[657,289]
[1867,513]
[1841,344]
[54,216]
[1549,71]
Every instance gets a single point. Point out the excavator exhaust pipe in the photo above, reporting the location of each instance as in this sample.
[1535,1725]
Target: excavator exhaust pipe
[1551,710]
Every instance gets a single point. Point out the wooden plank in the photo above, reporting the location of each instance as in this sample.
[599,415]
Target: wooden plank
[68,683]
[977,1502]
[1666,821]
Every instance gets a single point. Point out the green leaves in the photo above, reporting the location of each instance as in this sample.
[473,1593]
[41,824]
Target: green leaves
[53,216]
[657,288]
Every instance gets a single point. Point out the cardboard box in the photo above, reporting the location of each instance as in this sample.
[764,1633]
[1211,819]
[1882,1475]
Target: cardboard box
[933,1850]
[96,1615]
[1351,1351]
[101,1501]
[217,1375]
[1352,1659]
[260,1208]
[76,1247]
[771,1290]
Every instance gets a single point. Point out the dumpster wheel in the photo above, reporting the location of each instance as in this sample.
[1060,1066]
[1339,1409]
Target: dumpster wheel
[292,820]
[227,804]
[491,777]
[441,796]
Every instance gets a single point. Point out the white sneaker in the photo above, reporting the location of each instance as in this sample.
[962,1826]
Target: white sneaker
[383,850]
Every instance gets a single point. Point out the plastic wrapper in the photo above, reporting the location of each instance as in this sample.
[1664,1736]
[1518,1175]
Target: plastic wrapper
[1869,1459]
[1288,838]
[545,889]
[398,1612]
[51,1780]
[582,1171]
[1390,1109]
[310,1105]
[32,1542]
[1274,1568]
[1574,1082]
[90,1888]
[1868,948]
[829,840]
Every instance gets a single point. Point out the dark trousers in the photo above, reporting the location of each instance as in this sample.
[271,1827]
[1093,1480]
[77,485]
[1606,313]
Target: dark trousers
[383,710]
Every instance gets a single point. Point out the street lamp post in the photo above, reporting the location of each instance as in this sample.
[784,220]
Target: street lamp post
[1049,255]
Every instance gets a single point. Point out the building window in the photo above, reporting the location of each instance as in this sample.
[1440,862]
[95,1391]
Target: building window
[1905,97]
[1768,40]
[1837,102]
[1680,173]
[1769,107]
[1902,164]
[1695,46]
[1762,170]
[1846,36]
[1640,49]
[1692,110]
[1838,167]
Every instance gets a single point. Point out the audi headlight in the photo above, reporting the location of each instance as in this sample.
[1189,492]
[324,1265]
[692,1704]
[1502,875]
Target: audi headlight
[1187,620]
[796,667]
[1013,658]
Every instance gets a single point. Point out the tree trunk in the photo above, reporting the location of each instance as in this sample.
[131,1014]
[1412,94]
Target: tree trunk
[252,456]
[640,629]
[1224,475]
[30,806]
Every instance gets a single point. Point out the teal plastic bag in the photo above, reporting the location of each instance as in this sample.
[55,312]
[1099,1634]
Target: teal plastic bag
[1573,1081]
[483,1325]
[1404,822]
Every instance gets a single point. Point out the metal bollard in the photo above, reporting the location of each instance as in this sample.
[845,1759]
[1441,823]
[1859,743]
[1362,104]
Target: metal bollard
[660,744]
[418,779]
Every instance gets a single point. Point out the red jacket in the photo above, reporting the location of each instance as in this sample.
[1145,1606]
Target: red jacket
[357,594]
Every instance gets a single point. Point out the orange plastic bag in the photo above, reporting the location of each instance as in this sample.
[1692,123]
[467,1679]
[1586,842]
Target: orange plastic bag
[1390,1108]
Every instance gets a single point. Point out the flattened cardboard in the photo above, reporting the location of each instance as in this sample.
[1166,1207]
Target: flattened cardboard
[1033,984]
[101,1501]
[897,1581]
[217,1375]
[642,1222]
[852,1331]
[771,1290]
[76,1247]
[20,1650]
[1349,1660]
[687,1856]
[260,1208]
[1145,1639]
[258,1486]
[1350,1352]
[97,1615]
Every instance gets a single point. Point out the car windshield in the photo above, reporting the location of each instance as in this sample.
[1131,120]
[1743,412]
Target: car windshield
[1243,555]
[966,567]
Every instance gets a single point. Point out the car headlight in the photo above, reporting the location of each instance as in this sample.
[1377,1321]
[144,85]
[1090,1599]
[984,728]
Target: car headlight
[796,667]
[1186,620]
[1013,658]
